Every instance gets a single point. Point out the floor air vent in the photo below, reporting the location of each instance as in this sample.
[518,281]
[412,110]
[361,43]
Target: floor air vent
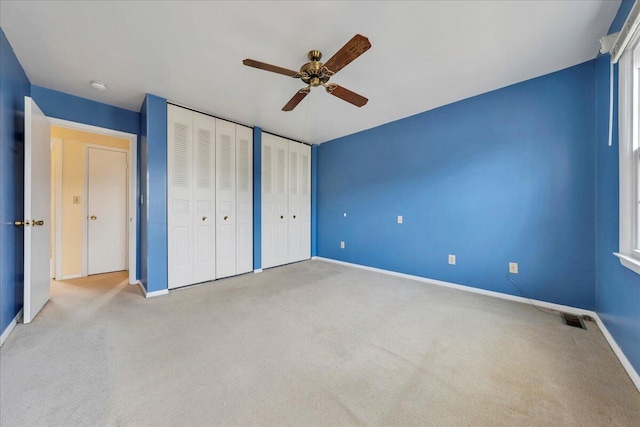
[573,320]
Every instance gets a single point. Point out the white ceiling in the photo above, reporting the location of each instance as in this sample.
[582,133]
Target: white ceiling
[424,54]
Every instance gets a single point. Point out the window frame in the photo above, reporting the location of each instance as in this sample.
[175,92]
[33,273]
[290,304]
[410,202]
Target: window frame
[629,155]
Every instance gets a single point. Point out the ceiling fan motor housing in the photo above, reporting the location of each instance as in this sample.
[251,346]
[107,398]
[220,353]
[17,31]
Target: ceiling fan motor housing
[311,72]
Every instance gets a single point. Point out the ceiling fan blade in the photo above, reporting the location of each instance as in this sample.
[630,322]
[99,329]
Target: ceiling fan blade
[269,67]
[346,95]
[355,47]
[293,102]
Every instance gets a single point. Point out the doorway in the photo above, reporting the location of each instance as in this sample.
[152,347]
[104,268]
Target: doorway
[94,203]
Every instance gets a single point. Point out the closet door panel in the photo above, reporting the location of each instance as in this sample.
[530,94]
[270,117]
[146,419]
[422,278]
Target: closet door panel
[274,201]
[244,199]
[204,135]
[294,202]
[225,199]
[304,206]
[179,197]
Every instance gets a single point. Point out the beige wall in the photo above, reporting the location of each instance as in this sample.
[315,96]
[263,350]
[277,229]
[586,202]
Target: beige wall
[73,185]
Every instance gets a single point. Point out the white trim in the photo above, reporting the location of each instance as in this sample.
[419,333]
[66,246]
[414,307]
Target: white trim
[257,270]
[133,181]
[70,276]
[9,328]
[314,258]
[58,146]
[151,294]
[544,304]
[618,352]
[628,261]
[626,34]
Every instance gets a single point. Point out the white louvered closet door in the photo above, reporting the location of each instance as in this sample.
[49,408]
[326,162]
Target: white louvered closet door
[180,197]
[204,146]
[299,202]
[225,199]
[274,201]
[244,199]
[293,217]
[304,202]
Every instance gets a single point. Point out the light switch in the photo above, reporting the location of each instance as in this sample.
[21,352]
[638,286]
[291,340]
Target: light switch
[341,245]
[76,200]
[344,214]
[399,219]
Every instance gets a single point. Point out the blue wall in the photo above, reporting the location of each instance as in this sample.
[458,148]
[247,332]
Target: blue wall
[68,107]
[257,198]
[14,86]
[153,251]
[617,288]
[505,176]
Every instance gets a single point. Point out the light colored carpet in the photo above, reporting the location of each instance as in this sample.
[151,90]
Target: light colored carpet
[311,343]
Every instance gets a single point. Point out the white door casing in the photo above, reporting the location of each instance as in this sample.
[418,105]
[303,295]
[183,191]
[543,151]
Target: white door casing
[106,209]
[225,199]
[37,199]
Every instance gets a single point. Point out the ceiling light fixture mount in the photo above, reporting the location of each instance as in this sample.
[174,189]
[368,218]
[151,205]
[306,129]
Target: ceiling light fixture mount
[98,85]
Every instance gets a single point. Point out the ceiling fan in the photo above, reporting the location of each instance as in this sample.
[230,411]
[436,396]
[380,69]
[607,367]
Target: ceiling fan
[316,73]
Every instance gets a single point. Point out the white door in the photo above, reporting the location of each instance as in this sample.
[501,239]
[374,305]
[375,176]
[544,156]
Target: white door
[107,177]
[244,199]
[293,253]
[225,198]
[304,203]
[180,211]
[37,199]
[274,201]
[204,221]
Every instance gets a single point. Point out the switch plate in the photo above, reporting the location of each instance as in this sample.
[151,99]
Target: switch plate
[341,245]
[399,219]
[344,214]
[452,259]
[76,200]
[513,267]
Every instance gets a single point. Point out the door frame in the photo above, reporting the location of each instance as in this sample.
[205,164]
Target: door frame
[85,206]
[132,190]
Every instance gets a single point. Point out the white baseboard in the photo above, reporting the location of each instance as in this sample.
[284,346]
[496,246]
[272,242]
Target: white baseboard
[315,257]
[544,304]
[618,352]
[71,276]
[257,270]
[153,293]
[9,328]
[559,307]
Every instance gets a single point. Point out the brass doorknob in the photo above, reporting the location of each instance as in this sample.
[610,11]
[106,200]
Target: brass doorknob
[21,223]
[204,218]
[93,217]
[226,218]
[38,223]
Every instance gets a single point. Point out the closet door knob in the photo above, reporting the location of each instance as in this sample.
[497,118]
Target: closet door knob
[294,217]
[281,216]
[204,218]
[226,218]
[93,217]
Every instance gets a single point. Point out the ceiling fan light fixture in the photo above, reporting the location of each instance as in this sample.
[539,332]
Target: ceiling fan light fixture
[98,85]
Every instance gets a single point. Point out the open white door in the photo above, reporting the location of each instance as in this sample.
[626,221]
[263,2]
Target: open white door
[37,197]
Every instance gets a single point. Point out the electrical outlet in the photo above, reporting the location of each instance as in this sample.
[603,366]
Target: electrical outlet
[341,245]
[399,219]
[344,214]
[452,259]
[513,267]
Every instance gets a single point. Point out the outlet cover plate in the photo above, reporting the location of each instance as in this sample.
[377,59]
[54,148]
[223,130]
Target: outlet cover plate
[513,267]
[452,259]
